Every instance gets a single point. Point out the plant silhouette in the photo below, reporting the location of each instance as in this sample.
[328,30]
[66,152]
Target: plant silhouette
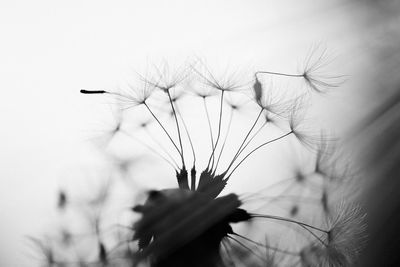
[195,223]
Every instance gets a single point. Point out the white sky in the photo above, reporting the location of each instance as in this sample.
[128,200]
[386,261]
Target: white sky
[51,49]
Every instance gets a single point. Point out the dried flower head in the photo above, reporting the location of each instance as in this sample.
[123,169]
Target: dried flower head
[177,224]
[192,224]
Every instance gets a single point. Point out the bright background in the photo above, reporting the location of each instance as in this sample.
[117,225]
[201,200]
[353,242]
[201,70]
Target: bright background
[49,50]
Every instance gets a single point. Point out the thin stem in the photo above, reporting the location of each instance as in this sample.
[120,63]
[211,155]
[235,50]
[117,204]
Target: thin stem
[244,140]
[152,150]
[314,235]
[177,127]
[280,74]
[193,178]
[249,249]
[255,149]
[94,92]
[305,226]
[193,170]
[273,185]
[219,131]
[165,131]
[188,135]
[161,146]
[226,137]
[214,83]
[273,217]
[267,246]
[251,139]
[288,189]
[229,258]
[209,123]
[123,96]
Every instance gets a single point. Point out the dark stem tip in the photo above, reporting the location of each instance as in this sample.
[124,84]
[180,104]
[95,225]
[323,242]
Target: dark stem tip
[88,92]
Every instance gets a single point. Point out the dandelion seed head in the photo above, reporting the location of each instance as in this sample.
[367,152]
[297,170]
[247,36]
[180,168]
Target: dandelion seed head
[187,225]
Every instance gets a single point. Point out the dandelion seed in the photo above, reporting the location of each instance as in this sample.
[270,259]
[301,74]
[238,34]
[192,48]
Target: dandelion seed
[348,230]
[258,90]
[233,106]
[127,98]
[164,78]
[62,200]
[322,158]
[294,211]
[226,82]
[325,201]
[300,130]
[345,240]
[313,72]
[203,91]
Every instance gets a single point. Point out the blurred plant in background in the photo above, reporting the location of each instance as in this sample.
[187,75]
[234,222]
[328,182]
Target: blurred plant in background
[207,126]
[377,138]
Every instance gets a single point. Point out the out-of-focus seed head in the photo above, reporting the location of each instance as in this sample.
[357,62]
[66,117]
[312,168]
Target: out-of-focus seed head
[345,240]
